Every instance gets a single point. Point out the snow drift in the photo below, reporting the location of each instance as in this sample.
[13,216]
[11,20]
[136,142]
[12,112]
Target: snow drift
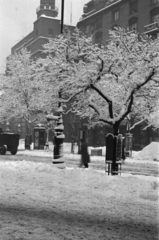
[150,152]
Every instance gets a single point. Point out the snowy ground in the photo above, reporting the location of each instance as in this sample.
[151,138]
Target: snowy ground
[149,154]
[41,202]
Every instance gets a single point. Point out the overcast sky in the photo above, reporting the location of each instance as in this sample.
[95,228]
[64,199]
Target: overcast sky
[17,17]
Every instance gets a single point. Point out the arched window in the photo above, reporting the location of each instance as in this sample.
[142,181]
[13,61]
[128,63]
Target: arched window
[154,14]
[98,37]
[133,23]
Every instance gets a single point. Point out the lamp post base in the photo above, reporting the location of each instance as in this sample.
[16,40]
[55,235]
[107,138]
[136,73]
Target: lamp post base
[59,163]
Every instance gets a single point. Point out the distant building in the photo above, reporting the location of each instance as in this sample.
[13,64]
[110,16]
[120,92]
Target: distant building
[99,16]
[47,26]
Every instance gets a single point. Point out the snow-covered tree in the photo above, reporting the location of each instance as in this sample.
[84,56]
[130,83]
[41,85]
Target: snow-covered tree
[22,90]
[152,119]
[105,84]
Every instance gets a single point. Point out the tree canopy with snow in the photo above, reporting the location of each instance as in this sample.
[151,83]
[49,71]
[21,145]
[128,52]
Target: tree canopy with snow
[105,83]
[22,91]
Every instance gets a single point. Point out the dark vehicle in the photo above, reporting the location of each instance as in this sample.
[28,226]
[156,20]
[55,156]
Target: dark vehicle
[8,142]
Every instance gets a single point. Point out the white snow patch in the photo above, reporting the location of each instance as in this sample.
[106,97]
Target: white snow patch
[150,152]
[96,148]
[135,154]
[36,199]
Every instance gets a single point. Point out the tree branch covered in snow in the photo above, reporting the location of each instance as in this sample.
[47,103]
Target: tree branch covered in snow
[110,81]
[137,123]
[23,91]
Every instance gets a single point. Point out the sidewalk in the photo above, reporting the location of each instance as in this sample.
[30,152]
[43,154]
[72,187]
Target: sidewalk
[43,153]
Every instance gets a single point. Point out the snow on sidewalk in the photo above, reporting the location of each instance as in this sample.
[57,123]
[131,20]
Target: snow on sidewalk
[39,201]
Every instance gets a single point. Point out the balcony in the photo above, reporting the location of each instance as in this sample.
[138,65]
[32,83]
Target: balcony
[152,28]
[47,7]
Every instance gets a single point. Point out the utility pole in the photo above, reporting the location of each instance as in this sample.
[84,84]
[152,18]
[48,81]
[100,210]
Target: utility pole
[59,135]
[62,15]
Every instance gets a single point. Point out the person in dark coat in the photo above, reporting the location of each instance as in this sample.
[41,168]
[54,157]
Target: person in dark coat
[85,159]
[123,150]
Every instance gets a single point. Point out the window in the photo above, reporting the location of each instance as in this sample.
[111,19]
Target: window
[154,1]
[98,23]
[154,15]
[87,29]
[116,15]
[133,27]
[155,18]
[98,38]
[133,6]
[92,27]
[133,23]
[50,31]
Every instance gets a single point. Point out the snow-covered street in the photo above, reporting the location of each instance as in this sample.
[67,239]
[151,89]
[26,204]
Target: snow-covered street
[40,201]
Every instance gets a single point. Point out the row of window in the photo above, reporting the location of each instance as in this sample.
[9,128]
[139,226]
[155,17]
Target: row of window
[133,8]
[154,17]
[154,1]
[93,26]
[46,7]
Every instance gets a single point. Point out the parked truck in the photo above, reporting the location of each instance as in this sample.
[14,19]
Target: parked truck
[9,141]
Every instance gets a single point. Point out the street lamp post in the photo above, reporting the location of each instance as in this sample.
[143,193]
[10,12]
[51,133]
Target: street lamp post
[59,136]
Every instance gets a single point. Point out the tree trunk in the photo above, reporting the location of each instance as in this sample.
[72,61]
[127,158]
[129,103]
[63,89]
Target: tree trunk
[116,129]
[116,132]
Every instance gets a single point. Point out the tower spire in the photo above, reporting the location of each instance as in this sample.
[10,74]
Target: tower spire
[48,8]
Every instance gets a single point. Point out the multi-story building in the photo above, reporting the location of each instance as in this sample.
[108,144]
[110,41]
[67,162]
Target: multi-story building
[46,26]
[99,16]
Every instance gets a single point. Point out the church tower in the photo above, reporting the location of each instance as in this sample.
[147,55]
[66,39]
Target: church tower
[47,7]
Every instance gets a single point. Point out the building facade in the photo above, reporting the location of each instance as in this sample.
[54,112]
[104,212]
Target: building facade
[99,16]
[47,26]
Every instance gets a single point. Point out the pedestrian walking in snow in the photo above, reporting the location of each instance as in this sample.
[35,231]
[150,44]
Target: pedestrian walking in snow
[85,159]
